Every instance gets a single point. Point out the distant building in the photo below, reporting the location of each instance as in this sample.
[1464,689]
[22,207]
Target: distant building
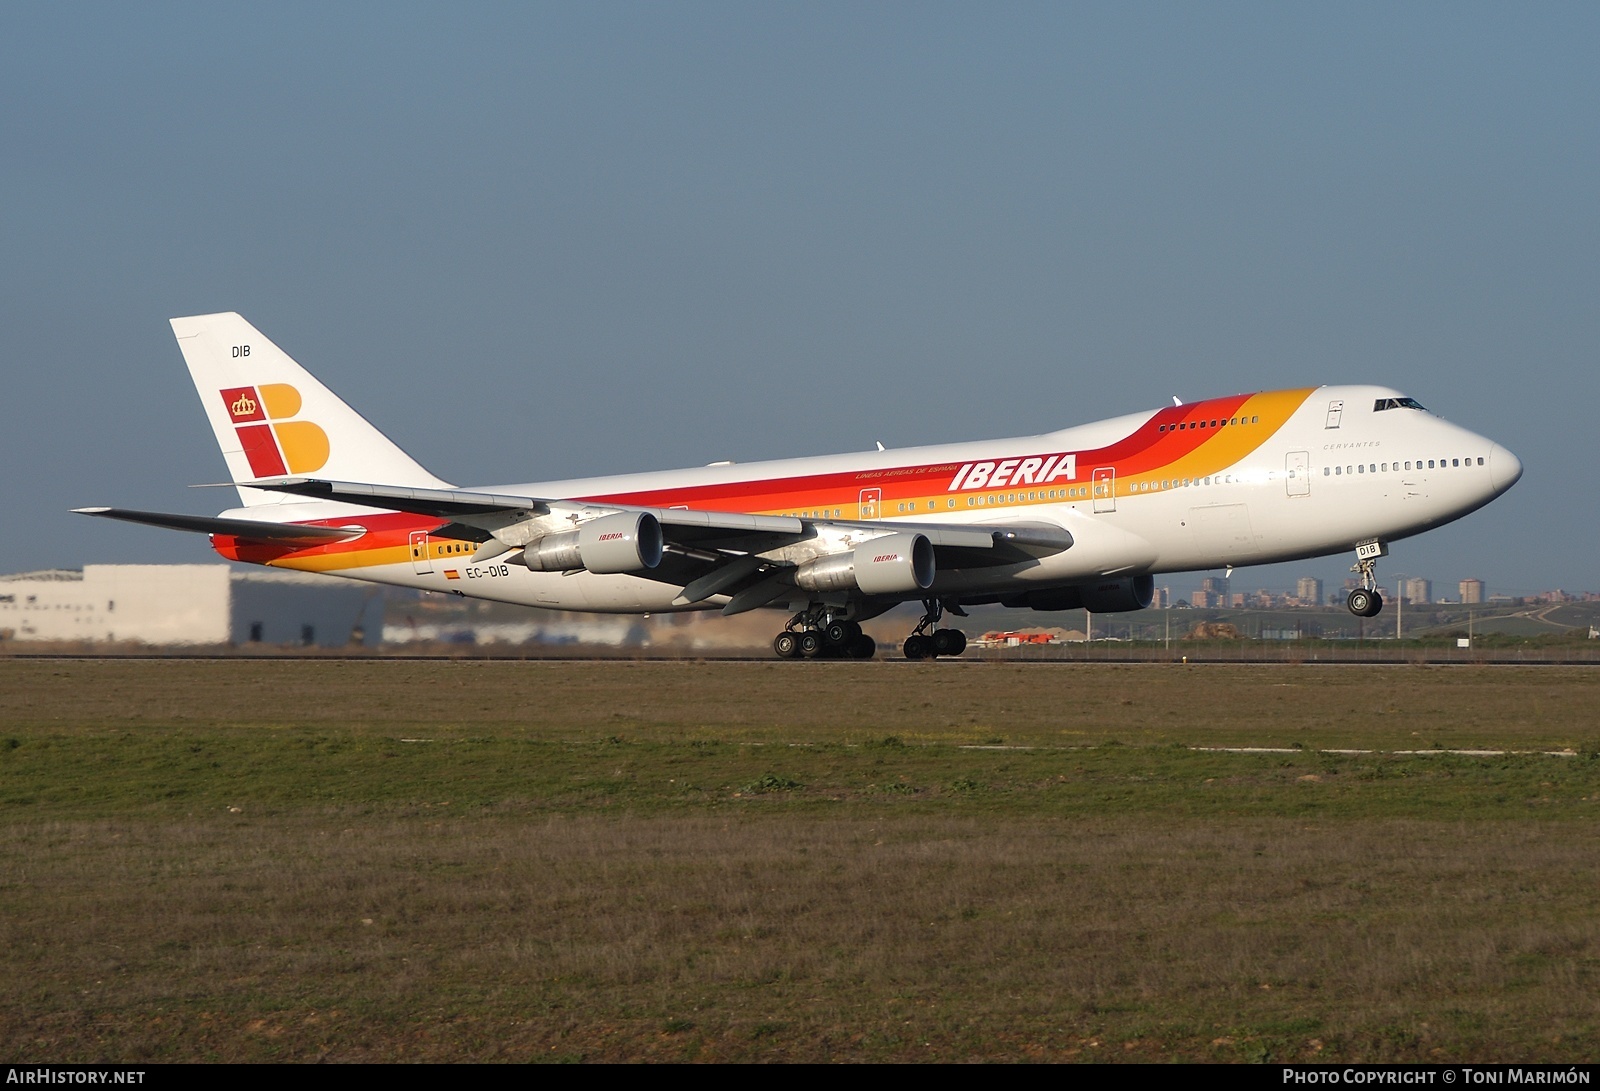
[1473,591]
[188,604]
[1213,593]
[1419,590]
[1308,589]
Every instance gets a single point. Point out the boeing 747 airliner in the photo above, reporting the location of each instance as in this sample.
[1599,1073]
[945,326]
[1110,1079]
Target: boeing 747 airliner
[1082,517]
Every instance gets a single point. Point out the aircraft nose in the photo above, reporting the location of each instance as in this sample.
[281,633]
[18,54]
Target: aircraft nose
[1504,468]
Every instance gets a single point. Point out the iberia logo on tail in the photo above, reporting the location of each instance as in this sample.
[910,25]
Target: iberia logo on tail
[275,445]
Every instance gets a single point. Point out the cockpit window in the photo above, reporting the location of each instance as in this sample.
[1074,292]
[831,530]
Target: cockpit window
[1396,403]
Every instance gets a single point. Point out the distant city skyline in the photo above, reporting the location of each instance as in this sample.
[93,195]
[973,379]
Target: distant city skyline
[1220,592]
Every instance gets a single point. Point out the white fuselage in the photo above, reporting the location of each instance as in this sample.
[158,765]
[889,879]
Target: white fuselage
[1275,477]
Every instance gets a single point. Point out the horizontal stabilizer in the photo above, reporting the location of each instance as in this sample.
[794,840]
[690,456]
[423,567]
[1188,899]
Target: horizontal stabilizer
[280,533]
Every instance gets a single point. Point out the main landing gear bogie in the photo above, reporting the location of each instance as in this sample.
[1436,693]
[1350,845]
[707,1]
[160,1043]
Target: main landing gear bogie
[823,638]
[818,632]
[946,642]
[922,644]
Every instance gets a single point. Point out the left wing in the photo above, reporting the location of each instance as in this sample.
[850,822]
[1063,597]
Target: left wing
[489,514]
[752,558]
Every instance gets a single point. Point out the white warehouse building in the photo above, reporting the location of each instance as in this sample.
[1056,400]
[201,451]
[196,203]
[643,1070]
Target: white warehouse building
[188,604]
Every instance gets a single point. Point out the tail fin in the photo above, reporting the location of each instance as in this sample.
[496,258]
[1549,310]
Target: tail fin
[272,419]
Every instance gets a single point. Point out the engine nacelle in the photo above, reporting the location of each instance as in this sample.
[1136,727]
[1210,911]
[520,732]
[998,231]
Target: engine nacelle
[894,564]
[1117,596]
[1108,596]
[628,541]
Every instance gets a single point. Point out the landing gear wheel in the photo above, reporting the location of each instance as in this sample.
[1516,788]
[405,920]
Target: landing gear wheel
[787,645]
[862,647]
[811,644]
[841,632]
[922,644]
[1364,603]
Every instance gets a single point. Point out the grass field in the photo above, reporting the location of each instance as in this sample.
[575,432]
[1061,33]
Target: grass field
[297,860]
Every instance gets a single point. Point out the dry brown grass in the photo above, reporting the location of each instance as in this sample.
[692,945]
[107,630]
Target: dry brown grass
[778,938]
[1545,706]
[1089,908]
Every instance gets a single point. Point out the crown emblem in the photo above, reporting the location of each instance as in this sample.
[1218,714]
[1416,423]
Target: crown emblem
[244,407]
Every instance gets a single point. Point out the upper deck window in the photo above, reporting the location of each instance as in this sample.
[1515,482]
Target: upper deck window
[1396,403]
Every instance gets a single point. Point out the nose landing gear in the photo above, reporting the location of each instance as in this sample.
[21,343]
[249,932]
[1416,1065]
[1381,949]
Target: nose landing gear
[1365,601]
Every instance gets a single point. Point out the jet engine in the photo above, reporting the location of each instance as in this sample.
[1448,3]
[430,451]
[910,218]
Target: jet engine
[891,565]
[627,541]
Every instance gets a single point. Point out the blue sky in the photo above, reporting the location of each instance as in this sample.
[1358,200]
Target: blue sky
[534,241]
